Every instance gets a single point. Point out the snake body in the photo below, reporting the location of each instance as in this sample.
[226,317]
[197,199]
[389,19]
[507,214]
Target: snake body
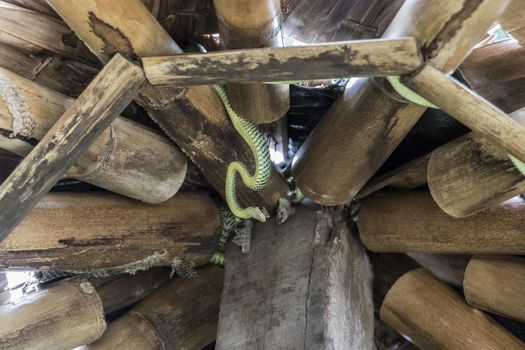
[255,140]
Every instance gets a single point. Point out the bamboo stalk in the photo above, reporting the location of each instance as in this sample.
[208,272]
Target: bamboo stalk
[107,95]
[383,226]
[193,117]
[434,316]
[369,120]
[64,316]
[98,231]
[496,284]
[343,59]
[35,5]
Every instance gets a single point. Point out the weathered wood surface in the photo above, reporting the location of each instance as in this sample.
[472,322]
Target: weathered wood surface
[406,177]
[369,120]
[434,316]
[102,101]
[309,279]
[412,222]
[470,109]
[343,59]
[513,20]
[193,117]
[496,284]
[127,158]
[181,315]
[66,315]
[89,231]
[128,289]
[247,24]
[35,5]
[449,268]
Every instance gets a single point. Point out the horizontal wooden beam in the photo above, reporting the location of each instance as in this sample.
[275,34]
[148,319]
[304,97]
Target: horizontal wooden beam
[381,57]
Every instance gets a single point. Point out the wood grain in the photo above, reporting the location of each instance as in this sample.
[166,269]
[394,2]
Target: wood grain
[434,316]
[88,231]
[512,20]
[66,315]
[496,284]
[102,101]
[308,278]
[384,227]
[343,59]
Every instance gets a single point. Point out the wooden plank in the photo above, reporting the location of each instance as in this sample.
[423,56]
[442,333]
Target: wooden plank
[434,316]
[470,109]
[367,122]
[384,227]
[181,315]
[94,231]
[194,117]
[308,278]
[66,315]
[344,59]
[102,101]
[496,284]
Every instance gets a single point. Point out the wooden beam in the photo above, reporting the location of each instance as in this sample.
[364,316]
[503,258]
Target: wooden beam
[194,117]
[253,24]
[102,101]
[98,231]
[496,284]
[470,109]
[344,59]
[434,316]
[366,123]
[127,158]
[64,316]
[319,284]
[384,227]
[181,315]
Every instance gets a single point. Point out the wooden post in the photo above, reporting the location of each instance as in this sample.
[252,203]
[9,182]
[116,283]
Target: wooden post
[181,315]
[66,315]
[102,101]
[496,284]
[352,58]
[384,226]
[434,316]
[95,231]
[127,158]
[253,24]
[193,117]
[369,120]
[312,273]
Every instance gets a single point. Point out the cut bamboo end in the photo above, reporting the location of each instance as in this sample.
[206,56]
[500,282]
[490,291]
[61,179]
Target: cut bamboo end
[496,284]
[434,316]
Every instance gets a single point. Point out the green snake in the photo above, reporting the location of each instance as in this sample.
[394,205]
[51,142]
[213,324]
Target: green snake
[229,223]
[255,140]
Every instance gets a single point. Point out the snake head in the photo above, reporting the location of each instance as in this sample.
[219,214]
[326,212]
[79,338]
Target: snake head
[259,213]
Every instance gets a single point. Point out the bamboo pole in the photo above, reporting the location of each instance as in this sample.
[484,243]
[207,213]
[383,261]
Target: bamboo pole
[102,101]
[449,268]
[369,120]
[434,316]
[96,231]
[496,284]
[35,5]
[353,58]
[253,24]
[512,20]
[127,158]
[64,316]
[193,117]
[181,315]
[384,227]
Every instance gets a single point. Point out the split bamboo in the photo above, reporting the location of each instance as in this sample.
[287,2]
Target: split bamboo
[193,117]
[66,315]
[368,121]
[384,227]
[352,58]
[127,158]
[100,103]
[434,316]
[95,231]
[496,284]
[253,24]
